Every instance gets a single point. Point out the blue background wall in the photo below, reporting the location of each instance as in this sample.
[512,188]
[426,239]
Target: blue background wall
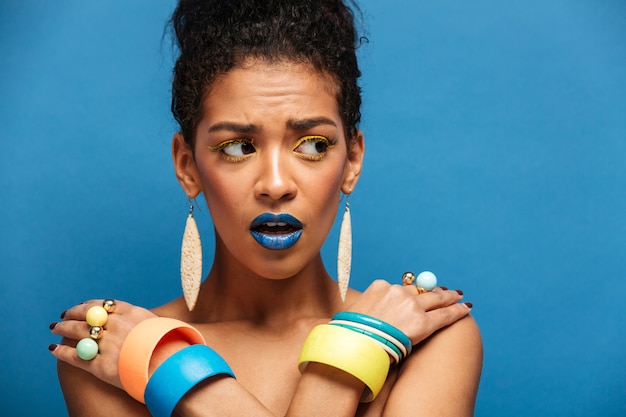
[496,141]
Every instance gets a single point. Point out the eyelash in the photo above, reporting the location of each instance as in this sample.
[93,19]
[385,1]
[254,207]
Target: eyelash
[232,158]
[241,141]
[314,138]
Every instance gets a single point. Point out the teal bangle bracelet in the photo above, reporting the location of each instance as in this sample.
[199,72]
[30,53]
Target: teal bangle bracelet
[377,324]
[397,357]
[399,346]
[179,374]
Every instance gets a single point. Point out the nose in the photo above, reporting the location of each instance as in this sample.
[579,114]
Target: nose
[275,180]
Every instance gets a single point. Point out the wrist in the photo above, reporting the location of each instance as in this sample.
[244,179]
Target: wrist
[350,352]
[169,345]
[181,373]
[163,359]
[337,381]
[140,345]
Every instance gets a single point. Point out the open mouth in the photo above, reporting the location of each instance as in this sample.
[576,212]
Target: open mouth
[276,231]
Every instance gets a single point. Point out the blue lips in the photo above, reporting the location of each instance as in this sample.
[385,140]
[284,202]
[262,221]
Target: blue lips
[276,231]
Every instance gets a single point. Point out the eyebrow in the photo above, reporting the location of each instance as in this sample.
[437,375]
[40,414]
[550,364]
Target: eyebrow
[300,124]
[234,127]
[304,124]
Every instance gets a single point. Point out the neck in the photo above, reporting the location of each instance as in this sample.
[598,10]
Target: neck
[232,292]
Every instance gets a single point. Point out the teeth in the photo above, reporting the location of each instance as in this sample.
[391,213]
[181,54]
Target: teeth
[274,224]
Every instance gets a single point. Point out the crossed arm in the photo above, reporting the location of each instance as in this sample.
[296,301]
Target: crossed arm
[440,377]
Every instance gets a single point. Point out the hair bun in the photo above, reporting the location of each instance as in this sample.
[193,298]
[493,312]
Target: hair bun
[216,35]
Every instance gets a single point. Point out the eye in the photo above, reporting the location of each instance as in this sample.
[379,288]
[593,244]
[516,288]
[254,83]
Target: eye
[235,150]
[313,148]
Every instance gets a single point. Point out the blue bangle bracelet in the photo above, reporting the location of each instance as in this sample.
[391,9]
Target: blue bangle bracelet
[377,324]
[179,374]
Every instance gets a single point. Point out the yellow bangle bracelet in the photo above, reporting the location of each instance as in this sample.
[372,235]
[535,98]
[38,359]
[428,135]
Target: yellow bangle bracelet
[350,352]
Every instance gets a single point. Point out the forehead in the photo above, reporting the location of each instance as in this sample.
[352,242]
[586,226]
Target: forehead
[260,85]
[264,68]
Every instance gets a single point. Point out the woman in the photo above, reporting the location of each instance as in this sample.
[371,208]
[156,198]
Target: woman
[266,96]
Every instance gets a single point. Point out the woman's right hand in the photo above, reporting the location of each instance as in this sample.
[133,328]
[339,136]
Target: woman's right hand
[74,327]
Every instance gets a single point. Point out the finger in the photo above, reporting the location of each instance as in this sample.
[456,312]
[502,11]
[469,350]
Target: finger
[101,367]
[441,298]
[445,316]
[67,353]
[71,329]
[79,311]
[411,289]
[415,290]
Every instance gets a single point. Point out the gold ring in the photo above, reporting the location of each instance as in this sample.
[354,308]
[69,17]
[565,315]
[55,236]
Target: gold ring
[408,278]
[95,332]
[109,305]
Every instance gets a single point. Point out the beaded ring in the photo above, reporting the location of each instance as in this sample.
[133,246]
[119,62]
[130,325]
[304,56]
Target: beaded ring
[96,317]
[425,282]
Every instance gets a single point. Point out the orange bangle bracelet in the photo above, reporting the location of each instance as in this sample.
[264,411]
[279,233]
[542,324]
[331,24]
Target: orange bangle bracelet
[137,349]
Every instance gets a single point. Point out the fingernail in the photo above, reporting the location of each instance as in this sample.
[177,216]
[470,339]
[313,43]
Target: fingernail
[63,314]
[469,305]
[459,292]
[443,288]
[53,325]
[52,347]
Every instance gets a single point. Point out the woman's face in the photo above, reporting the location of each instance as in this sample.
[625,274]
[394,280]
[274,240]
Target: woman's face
[271,157]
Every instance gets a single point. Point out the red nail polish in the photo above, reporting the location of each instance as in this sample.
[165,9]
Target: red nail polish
[469,305]
[63,314]
[443,288]
[459,292]
[52,347]
[53,325]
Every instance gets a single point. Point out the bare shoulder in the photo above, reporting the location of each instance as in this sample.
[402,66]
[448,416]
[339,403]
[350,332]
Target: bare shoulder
[177,309]
[85,395]
[461,341]
[441,376]
[168,309]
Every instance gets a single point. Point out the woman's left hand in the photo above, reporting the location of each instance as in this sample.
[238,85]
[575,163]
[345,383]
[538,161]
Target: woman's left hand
[416,315]
[74,327]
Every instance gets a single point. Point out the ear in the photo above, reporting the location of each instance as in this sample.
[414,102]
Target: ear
[354,163]
[185,166]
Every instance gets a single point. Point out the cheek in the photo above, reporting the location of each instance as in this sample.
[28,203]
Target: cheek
[221,192]
[326,188]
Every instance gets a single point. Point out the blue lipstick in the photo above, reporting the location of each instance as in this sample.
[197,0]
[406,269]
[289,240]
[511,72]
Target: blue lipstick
[276,231]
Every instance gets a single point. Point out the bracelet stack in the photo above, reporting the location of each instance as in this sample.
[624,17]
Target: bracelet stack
[392,340]
[173,378]
[359,345]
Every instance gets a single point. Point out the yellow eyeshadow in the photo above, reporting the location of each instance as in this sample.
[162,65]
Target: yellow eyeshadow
[226,143]
[312,138]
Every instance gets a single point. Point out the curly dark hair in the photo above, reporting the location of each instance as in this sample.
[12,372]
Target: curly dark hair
[215,36]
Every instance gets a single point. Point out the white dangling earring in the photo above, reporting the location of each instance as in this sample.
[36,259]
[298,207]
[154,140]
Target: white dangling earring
[344,256]
[191,261]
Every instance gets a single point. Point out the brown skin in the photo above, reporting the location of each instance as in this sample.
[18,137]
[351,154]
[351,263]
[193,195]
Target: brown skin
[257,306]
